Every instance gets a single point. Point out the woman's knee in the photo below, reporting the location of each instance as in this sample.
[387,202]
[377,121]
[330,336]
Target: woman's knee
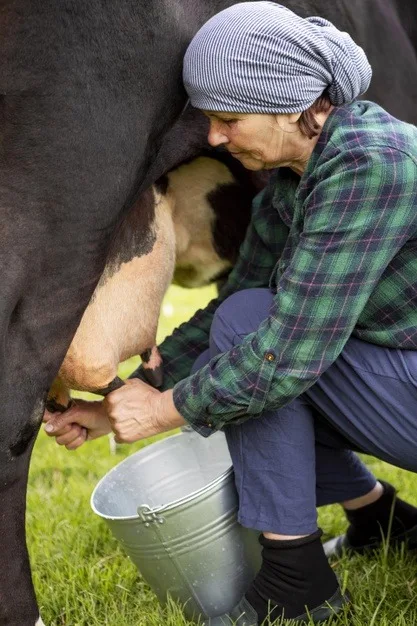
[240,314]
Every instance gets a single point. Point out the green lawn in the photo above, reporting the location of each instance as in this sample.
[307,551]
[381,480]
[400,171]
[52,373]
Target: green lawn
[82,578]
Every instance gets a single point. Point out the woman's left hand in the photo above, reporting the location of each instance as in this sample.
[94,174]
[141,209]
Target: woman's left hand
[137,411]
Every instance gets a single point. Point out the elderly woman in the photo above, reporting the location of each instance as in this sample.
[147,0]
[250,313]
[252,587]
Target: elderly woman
[310,351]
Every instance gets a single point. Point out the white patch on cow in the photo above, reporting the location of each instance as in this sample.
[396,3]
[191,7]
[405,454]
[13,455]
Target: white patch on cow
[40,622]
[197,262]
[37,413]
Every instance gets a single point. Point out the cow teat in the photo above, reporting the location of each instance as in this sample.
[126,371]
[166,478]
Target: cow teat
[152,366]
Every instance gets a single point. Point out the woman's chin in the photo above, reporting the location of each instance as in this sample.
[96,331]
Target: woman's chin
[249,162]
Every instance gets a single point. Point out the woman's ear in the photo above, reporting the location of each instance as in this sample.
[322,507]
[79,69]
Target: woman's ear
[294,117]
[288,122]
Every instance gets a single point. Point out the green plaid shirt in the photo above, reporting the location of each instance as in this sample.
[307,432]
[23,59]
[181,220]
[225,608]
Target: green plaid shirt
[338,249]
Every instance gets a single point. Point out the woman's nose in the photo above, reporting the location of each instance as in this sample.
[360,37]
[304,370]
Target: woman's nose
[215,136]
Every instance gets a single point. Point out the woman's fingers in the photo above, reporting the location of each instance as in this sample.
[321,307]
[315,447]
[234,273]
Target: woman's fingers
[47,416]
[66,432]
[70,435]
[129,432]
[83,420]
[59,423]
[76,443]
[66,428]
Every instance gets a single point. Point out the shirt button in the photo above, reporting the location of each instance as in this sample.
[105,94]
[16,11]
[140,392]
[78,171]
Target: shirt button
[210,425]
[269,356]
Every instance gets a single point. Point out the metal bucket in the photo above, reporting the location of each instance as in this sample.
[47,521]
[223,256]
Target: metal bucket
[173,507]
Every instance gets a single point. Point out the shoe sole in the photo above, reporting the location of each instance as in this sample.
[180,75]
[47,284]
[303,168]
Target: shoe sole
[332,608]
[245,615]
[339,546]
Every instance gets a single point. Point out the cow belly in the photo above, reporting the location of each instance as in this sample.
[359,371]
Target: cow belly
[122,317]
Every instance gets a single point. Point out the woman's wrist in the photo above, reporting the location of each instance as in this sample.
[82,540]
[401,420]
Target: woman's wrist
[166,414]
[103,426]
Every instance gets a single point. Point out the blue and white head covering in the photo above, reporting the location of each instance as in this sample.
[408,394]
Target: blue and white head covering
[260,57]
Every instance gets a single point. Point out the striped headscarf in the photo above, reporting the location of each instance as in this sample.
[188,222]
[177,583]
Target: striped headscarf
[260,57]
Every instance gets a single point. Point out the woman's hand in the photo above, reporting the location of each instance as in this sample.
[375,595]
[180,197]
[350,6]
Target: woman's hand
[137,411]
[82,422]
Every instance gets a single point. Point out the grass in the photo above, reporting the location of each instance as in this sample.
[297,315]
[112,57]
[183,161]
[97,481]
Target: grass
[82,577]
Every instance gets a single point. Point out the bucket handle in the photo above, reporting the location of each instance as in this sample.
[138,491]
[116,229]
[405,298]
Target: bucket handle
[148,516]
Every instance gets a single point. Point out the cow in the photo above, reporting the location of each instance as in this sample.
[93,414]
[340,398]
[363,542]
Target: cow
[88,90]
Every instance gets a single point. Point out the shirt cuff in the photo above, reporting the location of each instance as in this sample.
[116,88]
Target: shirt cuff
[199,420]
[209,402]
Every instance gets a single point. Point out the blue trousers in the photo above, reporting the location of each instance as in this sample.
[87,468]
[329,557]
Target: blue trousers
[289,461]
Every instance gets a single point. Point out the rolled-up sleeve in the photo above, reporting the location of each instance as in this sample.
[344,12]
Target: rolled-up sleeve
[355,221]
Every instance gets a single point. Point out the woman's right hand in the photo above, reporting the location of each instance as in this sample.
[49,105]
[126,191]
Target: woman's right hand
[81,422]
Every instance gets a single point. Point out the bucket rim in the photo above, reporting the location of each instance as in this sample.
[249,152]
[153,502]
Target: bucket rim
[161,508]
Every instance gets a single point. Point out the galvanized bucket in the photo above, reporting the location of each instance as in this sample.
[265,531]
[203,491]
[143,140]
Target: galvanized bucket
[173,507]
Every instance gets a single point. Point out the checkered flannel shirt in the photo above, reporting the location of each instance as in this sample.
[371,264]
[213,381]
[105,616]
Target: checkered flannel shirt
[338,249]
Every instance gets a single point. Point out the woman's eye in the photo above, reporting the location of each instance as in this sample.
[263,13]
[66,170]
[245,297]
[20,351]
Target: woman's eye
[229,122]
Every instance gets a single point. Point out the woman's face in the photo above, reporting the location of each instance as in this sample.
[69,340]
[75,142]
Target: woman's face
[257,140]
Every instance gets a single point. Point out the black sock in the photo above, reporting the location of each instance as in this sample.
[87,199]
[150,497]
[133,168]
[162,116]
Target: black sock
[295,574]
[371,522]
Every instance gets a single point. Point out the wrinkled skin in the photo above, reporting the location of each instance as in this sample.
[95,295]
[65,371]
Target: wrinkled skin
[87,92]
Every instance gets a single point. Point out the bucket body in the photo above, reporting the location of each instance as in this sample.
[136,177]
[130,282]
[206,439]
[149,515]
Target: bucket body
[173,507]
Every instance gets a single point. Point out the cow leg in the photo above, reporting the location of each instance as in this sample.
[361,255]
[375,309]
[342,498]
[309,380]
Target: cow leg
[39,313]
[38,318]
[17,599]
[21,411]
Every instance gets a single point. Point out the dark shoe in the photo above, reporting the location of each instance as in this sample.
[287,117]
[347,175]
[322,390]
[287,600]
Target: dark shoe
[245,615]
[388,519]
[295,581]
[335,548]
